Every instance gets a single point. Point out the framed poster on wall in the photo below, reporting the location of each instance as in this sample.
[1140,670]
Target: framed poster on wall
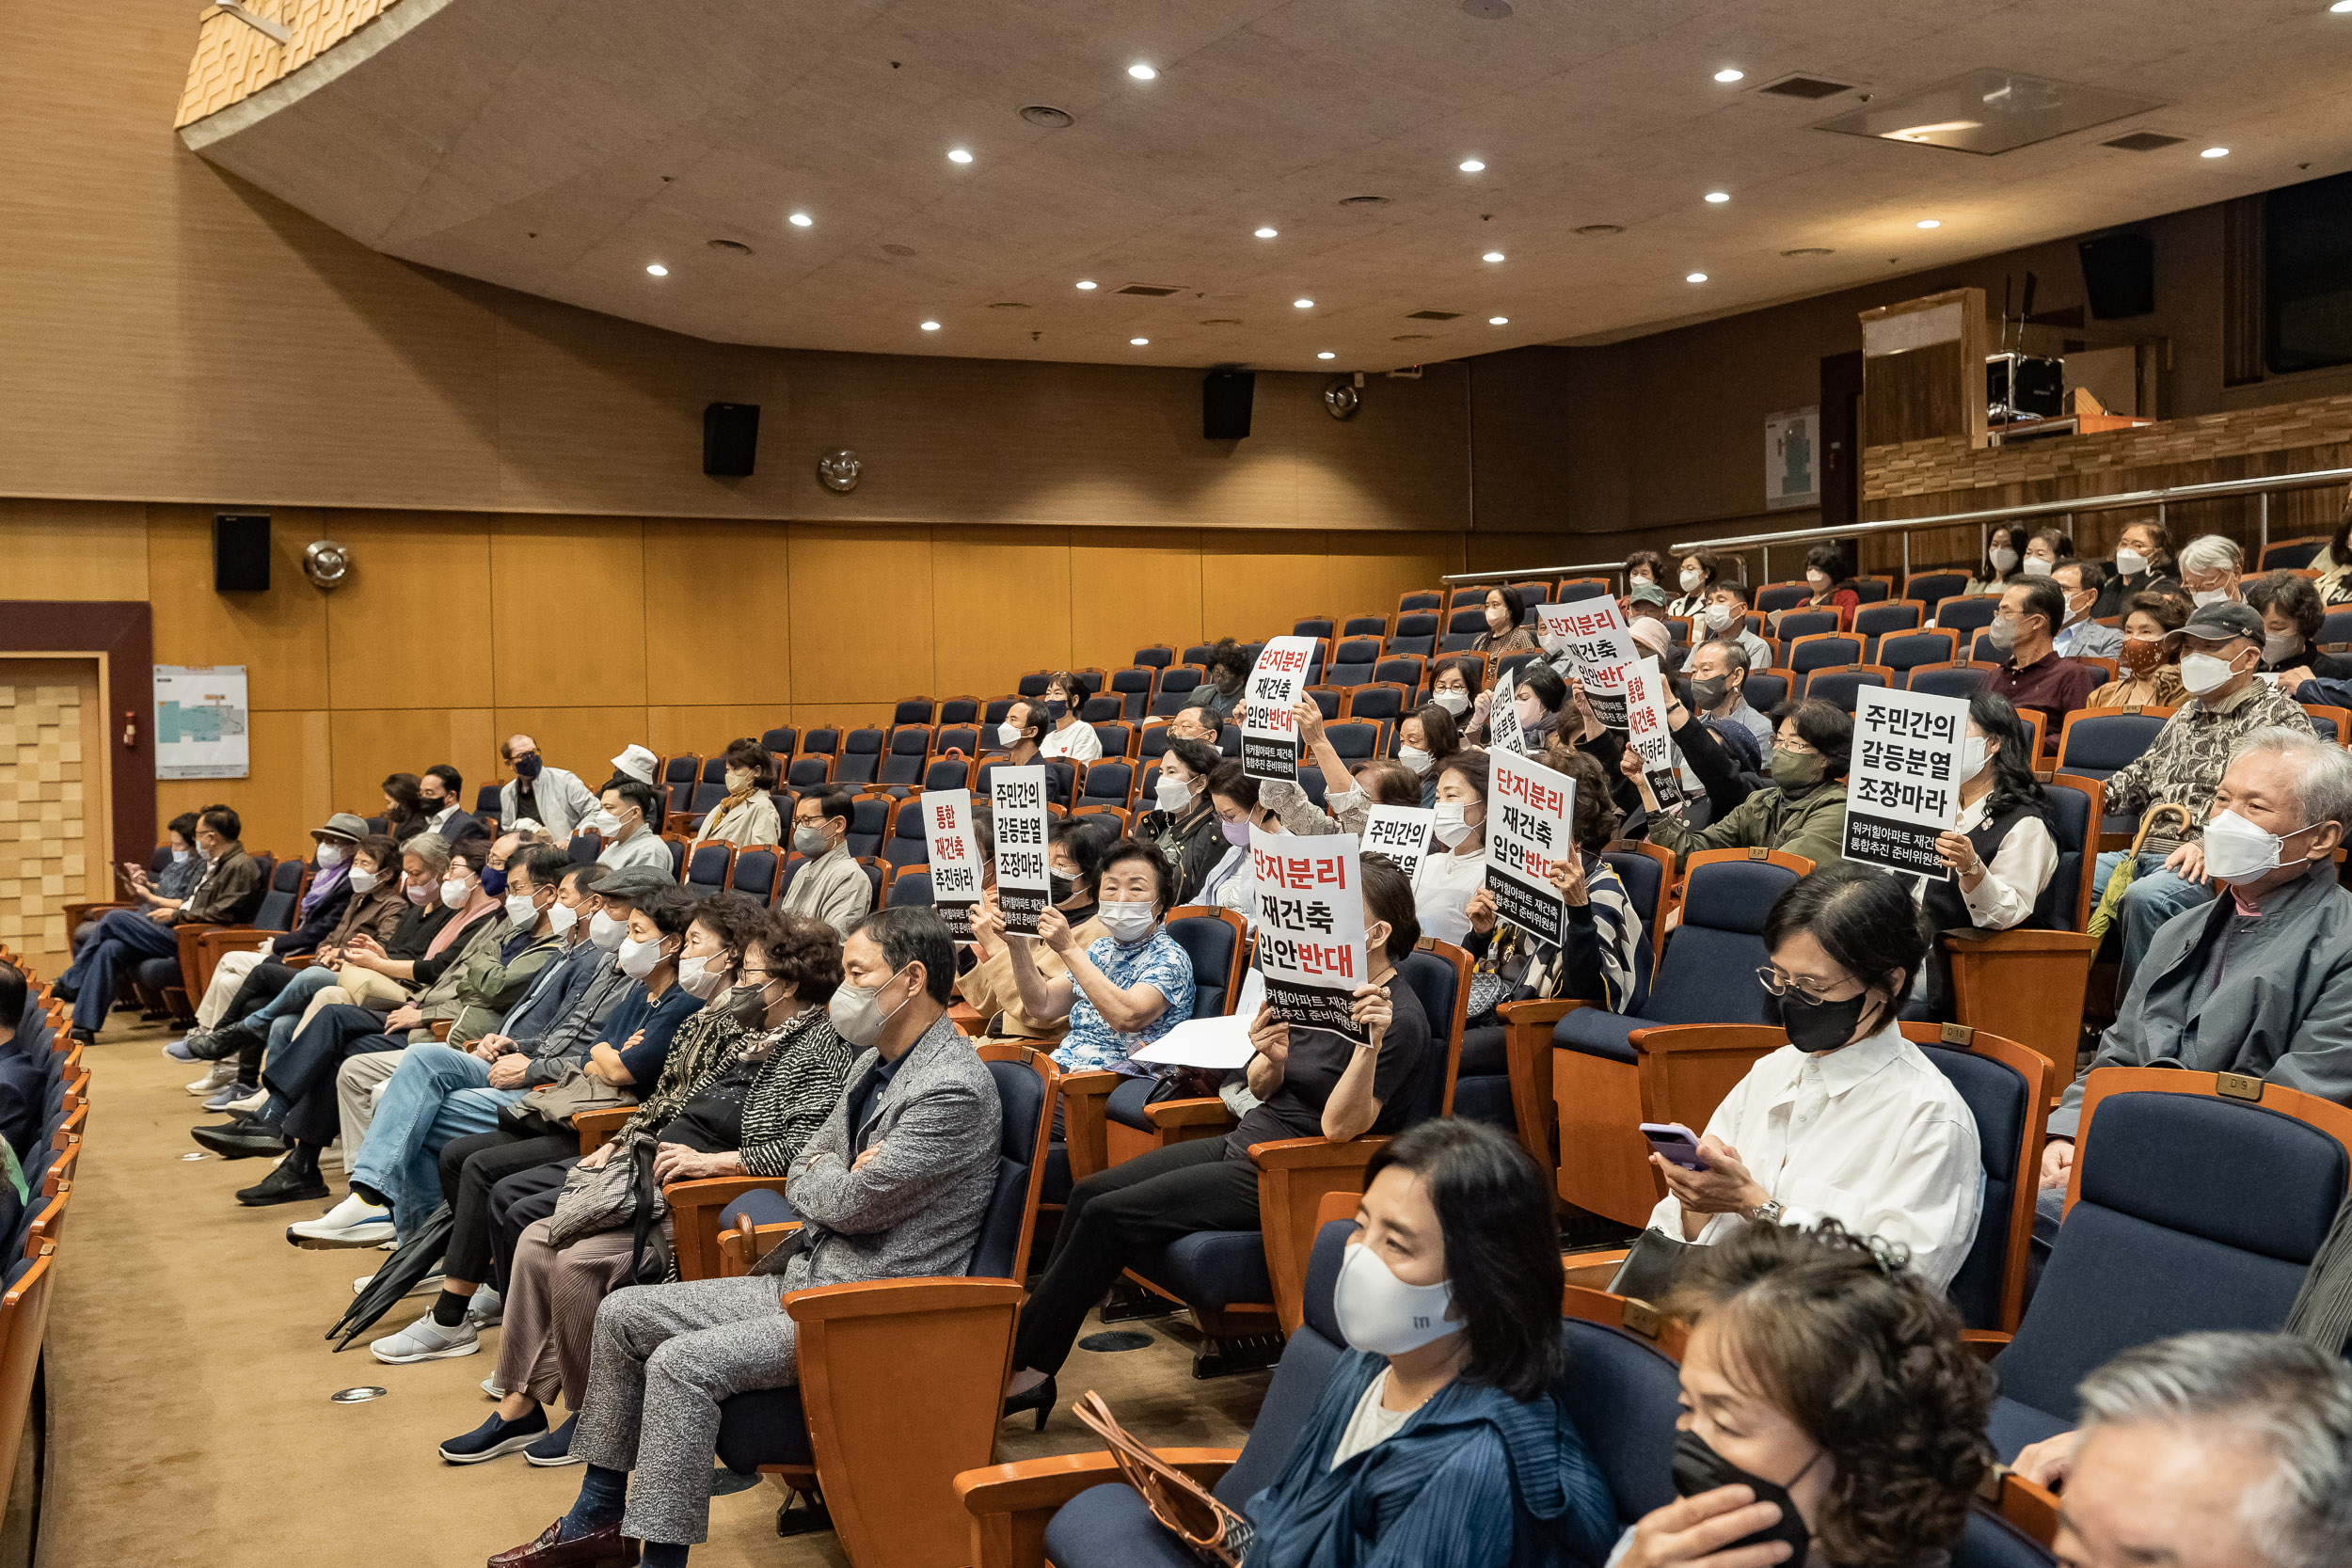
[201,721]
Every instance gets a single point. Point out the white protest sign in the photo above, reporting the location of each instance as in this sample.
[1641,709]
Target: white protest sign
[1311,927]
[1502,720]
[1903,785]
[1023,884]
[1599,648]
[1527,829]
[1649,732]
[954,857]
[1400,832]
[1269,731]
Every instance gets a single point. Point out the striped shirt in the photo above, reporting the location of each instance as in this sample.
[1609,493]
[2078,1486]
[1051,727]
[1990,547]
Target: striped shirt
[1605,971]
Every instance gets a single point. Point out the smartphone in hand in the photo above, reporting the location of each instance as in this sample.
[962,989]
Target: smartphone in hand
[1674,1142]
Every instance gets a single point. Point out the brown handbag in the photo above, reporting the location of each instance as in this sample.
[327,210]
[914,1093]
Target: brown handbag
[1215,1533]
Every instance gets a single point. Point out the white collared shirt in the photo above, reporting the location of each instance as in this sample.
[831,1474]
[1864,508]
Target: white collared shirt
[1871,1135]
[2014,877]
[1442,885]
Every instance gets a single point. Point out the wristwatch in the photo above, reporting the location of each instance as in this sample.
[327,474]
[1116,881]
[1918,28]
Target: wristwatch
[1766,1213]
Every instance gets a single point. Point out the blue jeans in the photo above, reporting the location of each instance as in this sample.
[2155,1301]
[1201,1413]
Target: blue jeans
[290,1002]
[125,939]
[436,1094]
[2155,897]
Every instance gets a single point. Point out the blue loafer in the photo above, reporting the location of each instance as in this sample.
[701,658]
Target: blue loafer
[556,1447]
[494,1437]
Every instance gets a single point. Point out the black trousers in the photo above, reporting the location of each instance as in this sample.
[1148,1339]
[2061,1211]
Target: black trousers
[471,1167]
[303,1073]
[516,1203]
[1115,1217]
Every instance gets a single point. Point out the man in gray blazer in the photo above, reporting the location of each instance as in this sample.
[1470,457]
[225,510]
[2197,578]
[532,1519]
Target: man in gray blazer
[894,1186]
[2082,637]
[830,886]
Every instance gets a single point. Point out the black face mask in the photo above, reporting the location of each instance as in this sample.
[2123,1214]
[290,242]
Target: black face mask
[527,766]
[1060,887]
[1699,1469]
[1816,1027]
[1707,693]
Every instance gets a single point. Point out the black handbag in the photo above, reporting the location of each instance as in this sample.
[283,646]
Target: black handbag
[1652,1267]
[650,1259]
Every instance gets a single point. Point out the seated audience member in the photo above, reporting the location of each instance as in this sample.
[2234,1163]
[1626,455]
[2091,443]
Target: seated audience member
[1124,989]
[2032,674]
[1236,798]
[2147,663]
[163,889]
[830,886]
[2228,1449]
[1719,675]
[1597,962]
[741,1098]
[1848,1121]
[554,798]
[664,935]
[1726,620]
[895,1184]
[1350,792]
[226,893]
[2210,567]
[1829,585]
[2227,700]
[1505,609]
[1220,691]
[2044,549]
[746,816]
[2336,554]
[1183,825]
[1999,567]
[2143,563]
[1024,731]
[1437,1439]
[404,816]
[1645,569]
[1071,736]
[1831,1412]
[317,915]
[2291,612]
[2001,855]
[1654,636]
[1455,868]
[1709,765]
[631,825]
[1424,737]
[1540,695]
[1196,724]
[439,791]
[24,1083]
[1309,1083]
[2260,982]
[1074,858]
[2082,637]
[1803,813]
[1455,685]
[636,762]
[1698,573]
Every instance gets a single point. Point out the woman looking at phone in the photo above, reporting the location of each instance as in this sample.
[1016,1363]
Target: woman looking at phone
[1849,1121]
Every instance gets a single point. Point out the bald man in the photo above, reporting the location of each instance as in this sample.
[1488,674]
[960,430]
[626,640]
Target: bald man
[555,800]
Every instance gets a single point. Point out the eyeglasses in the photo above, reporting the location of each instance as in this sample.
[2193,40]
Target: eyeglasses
[1778,984]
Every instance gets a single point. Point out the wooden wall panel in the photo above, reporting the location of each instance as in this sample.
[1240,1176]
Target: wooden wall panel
[562,574]
[74,549]
[1254,583]
[279,636]
[411,626]
[287,793]
[583,740]
[707,730]
[1133,589]
[1001,602]
[861,612]
[1365,573]
[718,612]
[369,743]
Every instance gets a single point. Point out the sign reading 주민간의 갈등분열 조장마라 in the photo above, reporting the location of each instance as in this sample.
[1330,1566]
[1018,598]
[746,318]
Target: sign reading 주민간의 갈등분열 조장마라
[1902,784]
[1024,884]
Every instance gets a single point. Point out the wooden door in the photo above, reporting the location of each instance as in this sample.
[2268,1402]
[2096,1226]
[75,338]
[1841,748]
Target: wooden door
[54,826]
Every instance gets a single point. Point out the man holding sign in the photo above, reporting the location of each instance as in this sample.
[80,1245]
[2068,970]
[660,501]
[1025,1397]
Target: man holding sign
[1309,1082]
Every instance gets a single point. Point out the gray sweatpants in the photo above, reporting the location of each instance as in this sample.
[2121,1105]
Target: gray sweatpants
[664,1356]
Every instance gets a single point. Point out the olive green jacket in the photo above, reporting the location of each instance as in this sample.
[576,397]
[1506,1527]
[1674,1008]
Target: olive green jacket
[1813,827]
[475,991]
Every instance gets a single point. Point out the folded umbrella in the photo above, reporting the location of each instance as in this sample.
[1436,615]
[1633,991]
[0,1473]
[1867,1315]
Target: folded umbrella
[402,1272]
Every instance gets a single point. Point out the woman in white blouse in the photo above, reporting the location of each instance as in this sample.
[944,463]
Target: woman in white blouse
[1849,1121]
[1071,737]
[1455,866]
[2001,855]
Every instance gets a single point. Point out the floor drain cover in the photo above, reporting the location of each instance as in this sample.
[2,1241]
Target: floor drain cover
[356,1396]
[1117,1338]
[198,1154]
[725,1482]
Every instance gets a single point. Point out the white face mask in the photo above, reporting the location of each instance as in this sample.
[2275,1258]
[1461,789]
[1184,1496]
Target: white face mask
[2203,672]
[2236,851]
[1127,923]
[701,977]
[2278,645]
[1636,580]
[1008,735]
[1691,578]
[1818,579]
[1718,617]
[856,1013]
[562,917]
[522,910]
[330,855]
[454,892]
[2037,567]
[2004,559]
[1173,795]
[2130,563]
[1414,758]
[640,958]
[1381,1314]
[182,857]
[362,880]
[2210,595]
[1975,752]
[606,823]
[809,839]
[1527,710]
[607,932]
[738,781]
[1455,702]
[1450,823]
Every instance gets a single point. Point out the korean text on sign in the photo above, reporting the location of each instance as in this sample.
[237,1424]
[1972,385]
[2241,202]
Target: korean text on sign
[1529,826]
[1647,725]
[1400,832]
[954,857]
[1902,787]
[1593,637]
[1269,731]
[1023,883]
[1311,927]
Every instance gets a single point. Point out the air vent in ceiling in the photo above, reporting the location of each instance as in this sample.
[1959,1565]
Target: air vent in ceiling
[1433,315]
[2144,141]
[1806,88]
[1365,201]
[729,247]
[1596,230]
[1150,291]
[1222,320]
[1046,115]
[1808,251]
[897,250]
[1411,338]
[1007,304]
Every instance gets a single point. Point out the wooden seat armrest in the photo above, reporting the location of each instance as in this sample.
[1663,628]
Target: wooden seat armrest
[1594,1267]
[1984,1343]
[1545,1010]
[2029,1506]
[1527,1063]
[1293,1177]
[1085,1097]
[190,937]
[747,1243]
[694,1218]
[1012,1504]
[1211,1111]
[440,1028]
[78,915]
[967,1018]
[595,1128]
[300,960]
[1314,1153]
[2018,942]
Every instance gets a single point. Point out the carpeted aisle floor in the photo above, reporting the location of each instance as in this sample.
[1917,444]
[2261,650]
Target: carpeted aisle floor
[188,1382]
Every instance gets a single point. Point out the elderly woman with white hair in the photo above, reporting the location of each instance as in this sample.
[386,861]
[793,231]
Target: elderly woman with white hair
[2210,567]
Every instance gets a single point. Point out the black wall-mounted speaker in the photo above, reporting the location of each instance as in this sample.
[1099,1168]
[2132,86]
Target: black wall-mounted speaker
[2120,275]
[1225,397]
[730,438]
[240,552]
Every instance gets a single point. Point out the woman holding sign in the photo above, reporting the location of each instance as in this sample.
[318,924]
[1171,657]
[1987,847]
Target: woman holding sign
[2000,855]
[1804,811]
[1448,876]
[1126,988]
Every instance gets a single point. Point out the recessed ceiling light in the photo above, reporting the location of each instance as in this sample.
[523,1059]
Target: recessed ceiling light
[1931,223]
[2214,152]
[1694,277]
[1304,304]
[801,220]
[2342,6]
[1497,321]
[1492,256]
[958,155]
[1719,197]
[1326,354]
[1471,166]
[1085,282]
[658,270]
[1266,233]
[1727,75]
[1140,72]
[930,326]
[1138,343]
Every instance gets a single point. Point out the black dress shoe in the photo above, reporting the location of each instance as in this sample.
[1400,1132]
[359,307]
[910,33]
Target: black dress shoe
[242,1140]
[1041,1399]
[284,1186]
[225,1041]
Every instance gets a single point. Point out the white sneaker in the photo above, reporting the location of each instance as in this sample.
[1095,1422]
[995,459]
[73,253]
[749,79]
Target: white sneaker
[487,1307]
[353,1223]
[426,1340]
[253,1101]
[222,1074]
[430,1282]
[490,1386]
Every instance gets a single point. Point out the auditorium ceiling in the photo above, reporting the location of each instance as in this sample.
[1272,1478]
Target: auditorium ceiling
[566,148]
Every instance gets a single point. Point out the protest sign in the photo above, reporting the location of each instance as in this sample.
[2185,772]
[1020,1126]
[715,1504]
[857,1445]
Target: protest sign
[1647,732]
[1503,722]
[1903,785]
[1527,827]
[1023,884]
[1598,645]
[1400,832]
[1269,731]
[955,858]
[1311,927]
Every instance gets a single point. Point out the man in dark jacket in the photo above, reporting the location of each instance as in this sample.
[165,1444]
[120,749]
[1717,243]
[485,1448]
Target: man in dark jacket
[228,893]
[22,1084]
